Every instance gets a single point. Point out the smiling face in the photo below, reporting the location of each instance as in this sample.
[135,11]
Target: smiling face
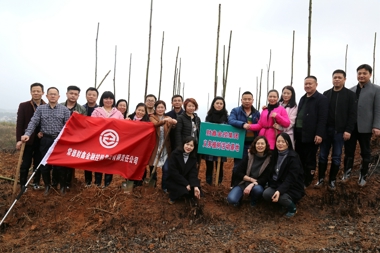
[190,108]
[247,101]
[310,86]
[272,97]
[177,103]
[140,111]
[122,107]
[281,144]
[53,96]
[218,104]
[188,147]
[286,95]
[260,146]
[363,76]
[107,102]
[91,97]
[160,109]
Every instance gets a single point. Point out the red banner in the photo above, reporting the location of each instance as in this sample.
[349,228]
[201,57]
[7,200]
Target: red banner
[105,145]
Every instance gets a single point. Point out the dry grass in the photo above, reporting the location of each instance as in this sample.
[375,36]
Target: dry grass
[7,135]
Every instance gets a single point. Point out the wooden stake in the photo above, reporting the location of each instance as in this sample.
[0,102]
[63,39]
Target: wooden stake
[224,70]
[374,56]
[18,167]
[268,68]
[114,73]
[162,50]
[309,39]
[261,79]
[345,60]
[217,171]
[150,36]
[129,82]
[96,55]
[228,64]
[217,52]
[103,79]
[257,91]
[175,72]
[239,96]
[273,81]
[179,77]
[291,72]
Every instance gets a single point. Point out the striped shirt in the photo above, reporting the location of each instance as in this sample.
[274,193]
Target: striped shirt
[51,120]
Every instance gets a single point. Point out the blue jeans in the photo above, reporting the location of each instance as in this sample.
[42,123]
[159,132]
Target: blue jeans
[335,140]
[165,174]
[237,192]
[237,162]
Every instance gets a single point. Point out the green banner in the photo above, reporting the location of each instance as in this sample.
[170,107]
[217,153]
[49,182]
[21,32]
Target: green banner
[221,140]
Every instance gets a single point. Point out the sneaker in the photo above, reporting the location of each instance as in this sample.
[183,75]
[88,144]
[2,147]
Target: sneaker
[171,202]
[88,185]
[319,184]
[290,214]
[332,186]
[36,187]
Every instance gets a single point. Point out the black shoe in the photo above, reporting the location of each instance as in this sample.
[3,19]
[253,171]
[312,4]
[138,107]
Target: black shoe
[362,180]
[63,191]
[47,189]
[319,184]
[332,186]
[346,175]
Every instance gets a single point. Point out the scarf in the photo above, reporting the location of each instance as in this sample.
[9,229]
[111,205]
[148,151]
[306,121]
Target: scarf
[271,108]
[185,156]
[217,117]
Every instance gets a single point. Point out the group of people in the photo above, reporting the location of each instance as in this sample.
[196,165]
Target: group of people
[280,147]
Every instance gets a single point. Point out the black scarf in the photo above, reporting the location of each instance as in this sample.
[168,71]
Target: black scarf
[217,117]
[271,107]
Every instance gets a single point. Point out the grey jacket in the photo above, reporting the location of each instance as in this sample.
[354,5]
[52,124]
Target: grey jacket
[368,108]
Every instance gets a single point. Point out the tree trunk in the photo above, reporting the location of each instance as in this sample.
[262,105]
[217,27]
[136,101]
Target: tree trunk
[216,58]
[96,55]
[309,39]
[261,79]
[268,68]
[291,72]
[374,58]
[129,82]
[345,59]
[103,79]
[162,50]
[228,65]
[114,74]
[150,36]
[175,72]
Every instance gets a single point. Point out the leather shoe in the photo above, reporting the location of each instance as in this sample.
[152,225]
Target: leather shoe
[63,191]
[332,186]
[47,189]
[362,180]
[346,176]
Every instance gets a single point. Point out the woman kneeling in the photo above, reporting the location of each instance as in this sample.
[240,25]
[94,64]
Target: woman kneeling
[183,172]
[286,176]
[252,173]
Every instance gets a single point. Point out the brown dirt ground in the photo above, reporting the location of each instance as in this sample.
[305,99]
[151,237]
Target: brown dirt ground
[109,220]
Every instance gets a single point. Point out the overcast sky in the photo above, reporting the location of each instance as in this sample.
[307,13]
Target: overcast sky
[53,42]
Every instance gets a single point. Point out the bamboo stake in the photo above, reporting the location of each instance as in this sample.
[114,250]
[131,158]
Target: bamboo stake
[261,79]
[208,101]
[129,81]
[179,77]
[309,39]
[257,91]
[183,90]
[345,60]
[374,56]
[291,76]
[268,68]
[273,81]
[150,36]
[175,72]
[96,55]
[103,79]
[224,70]
[239,96]
[228,64]
[216,58]
[162,50]
[114,73]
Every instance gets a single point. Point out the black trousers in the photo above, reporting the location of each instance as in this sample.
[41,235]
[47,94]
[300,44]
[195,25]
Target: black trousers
[31,152]
[364,142]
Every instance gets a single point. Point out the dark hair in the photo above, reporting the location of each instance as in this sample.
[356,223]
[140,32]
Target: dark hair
[366,67]
[187,140]
[107,94]
[159,102]
[177,96]
[252,148]
[273,91]
[292,102]
[151,95]
[35,85]
[339,71]
[222,115]
[312,77]
[126,103]
[192,100]
[73,87]
[93,89]
[143,105]
[52,88]
[287,140]
[247,93]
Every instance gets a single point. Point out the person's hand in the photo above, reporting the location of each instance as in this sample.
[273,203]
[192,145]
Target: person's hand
[273,115]
[276,196]
[376,131]
[40,135]
[277,126]
[24,138]
[246,126]
[18,145]
[75,112]
[188,187]
[317,140]
[174,122]
[127,118]
[346,136]
[247,190]
[264,107]
[197,193]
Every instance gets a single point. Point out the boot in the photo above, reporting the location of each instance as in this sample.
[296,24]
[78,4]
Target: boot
[348,164]
[334,169]
[107,179]
[292,210]
[321,174]
[363,173]
[98,178]
[23,178]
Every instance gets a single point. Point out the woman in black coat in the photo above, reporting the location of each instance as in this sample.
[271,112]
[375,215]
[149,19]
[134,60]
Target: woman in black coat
[286,178]
[188,123]
[183,172]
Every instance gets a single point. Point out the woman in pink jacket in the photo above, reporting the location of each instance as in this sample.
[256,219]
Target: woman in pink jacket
[272,114]
[106,109]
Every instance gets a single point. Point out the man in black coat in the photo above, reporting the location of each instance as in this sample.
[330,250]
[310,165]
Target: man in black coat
[310,127]
[340,124]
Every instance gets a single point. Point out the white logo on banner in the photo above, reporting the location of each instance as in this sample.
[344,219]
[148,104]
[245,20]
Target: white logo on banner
[109,138]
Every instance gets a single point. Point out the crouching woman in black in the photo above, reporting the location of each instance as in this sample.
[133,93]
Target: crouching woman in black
[183,172]
[286,177]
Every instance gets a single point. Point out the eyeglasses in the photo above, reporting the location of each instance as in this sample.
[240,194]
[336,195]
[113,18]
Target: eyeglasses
[150,100]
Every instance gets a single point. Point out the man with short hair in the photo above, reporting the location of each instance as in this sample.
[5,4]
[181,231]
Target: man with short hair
[72,95]
[242,117]
[340,124]
[368,123]
[310,126]
[150,100]
[32,147]
[52,117]
[91,97]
